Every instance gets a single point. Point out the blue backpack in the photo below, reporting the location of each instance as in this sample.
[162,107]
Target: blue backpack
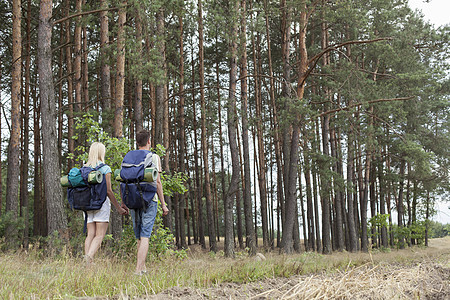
[136,193]
[85,196]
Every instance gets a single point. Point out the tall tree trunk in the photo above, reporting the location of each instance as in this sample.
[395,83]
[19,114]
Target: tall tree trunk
[248,210]
[24,197]
[1,179]
[316,149]
[302,207]
[324,178]
[382,184]
[219,112]
[261,154]
[105,77]
[137,103]
[120,72]
[309,204]
[373,202]
[70,99]
[55,209]
[365,194]
[291,197]
[201,233]
[182,140]
[232,122]
[77,61]
[427,217]
[12,181]
[353,243]
[400,207]
[238,194]
[85,69]
[159,113]
[204,140]
[339,233]
[287,94]
[40,204]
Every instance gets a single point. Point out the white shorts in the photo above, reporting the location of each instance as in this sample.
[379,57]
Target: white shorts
[101,215]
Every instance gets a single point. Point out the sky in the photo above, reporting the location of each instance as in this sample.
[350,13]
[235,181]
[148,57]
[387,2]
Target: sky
[436,12]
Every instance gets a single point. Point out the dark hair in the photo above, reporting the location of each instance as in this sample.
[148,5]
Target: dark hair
[142,138]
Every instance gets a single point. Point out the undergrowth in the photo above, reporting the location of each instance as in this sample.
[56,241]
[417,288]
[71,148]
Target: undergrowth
[37,275]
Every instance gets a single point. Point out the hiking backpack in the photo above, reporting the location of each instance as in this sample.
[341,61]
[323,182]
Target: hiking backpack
[83,195]
[137,193]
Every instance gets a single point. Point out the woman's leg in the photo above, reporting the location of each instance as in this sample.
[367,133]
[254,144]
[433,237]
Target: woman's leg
[100,231]
[91,228]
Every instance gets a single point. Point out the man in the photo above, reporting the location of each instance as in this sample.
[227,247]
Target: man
[144,218]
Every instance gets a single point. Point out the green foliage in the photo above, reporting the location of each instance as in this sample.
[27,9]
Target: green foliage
[378,221]
[403,234]
[8,221]
[438,230]
[88,127]
[161,242]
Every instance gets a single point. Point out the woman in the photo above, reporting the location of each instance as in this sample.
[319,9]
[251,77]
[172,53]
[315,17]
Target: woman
[97,220]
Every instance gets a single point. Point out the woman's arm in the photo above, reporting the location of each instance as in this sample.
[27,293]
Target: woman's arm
[111,196]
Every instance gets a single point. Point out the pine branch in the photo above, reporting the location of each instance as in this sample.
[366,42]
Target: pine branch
[315,59]
[359,104]
[84,13]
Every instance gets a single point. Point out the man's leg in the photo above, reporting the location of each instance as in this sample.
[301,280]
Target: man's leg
[142,255]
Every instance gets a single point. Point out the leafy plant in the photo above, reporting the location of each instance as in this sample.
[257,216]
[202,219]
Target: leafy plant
[162,240]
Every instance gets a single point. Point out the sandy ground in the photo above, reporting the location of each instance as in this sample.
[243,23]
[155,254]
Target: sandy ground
[428,277]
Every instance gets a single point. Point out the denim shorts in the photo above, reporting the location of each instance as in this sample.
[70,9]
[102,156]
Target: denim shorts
[143,220]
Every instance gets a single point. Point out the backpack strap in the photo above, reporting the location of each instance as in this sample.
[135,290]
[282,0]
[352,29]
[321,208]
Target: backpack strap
[85,221]
[142,196]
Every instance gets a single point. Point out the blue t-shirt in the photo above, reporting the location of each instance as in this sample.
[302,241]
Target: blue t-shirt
[105,169]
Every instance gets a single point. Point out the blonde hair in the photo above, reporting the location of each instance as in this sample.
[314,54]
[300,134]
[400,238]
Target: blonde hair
[96,154]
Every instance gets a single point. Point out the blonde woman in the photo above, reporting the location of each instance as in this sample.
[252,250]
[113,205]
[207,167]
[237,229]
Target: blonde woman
[97,220]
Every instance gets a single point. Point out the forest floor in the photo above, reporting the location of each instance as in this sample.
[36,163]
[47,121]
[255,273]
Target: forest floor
[413,273]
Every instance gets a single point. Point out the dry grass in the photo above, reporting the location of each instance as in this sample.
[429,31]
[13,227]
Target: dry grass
[411,273]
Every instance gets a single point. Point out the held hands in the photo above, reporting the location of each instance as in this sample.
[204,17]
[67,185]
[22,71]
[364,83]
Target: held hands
[123,209]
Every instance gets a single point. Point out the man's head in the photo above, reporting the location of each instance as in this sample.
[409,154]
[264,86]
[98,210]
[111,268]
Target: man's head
[143,138]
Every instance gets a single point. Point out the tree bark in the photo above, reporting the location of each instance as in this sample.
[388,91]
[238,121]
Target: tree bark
[55,209]
[204,139]
[382,184]
[137,103]
[159,113]
[40,204]
[24,197]
[353,243]
[198,189]
[248,210]
[85,69]
[12,181]
[1,179]
[70,99]
[77,61]
[400,207]
[291,197]
[182,140]
[260,143]
[231,122]
[105,75]
[120,72]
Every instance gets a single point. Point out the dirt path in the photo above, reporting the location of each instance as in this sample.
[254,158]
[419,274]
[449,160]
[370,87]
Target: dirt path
[422,273]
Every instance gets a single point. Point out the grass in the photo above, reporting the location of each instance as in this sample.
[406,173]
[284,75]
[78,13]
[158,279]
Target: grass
[34,276]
